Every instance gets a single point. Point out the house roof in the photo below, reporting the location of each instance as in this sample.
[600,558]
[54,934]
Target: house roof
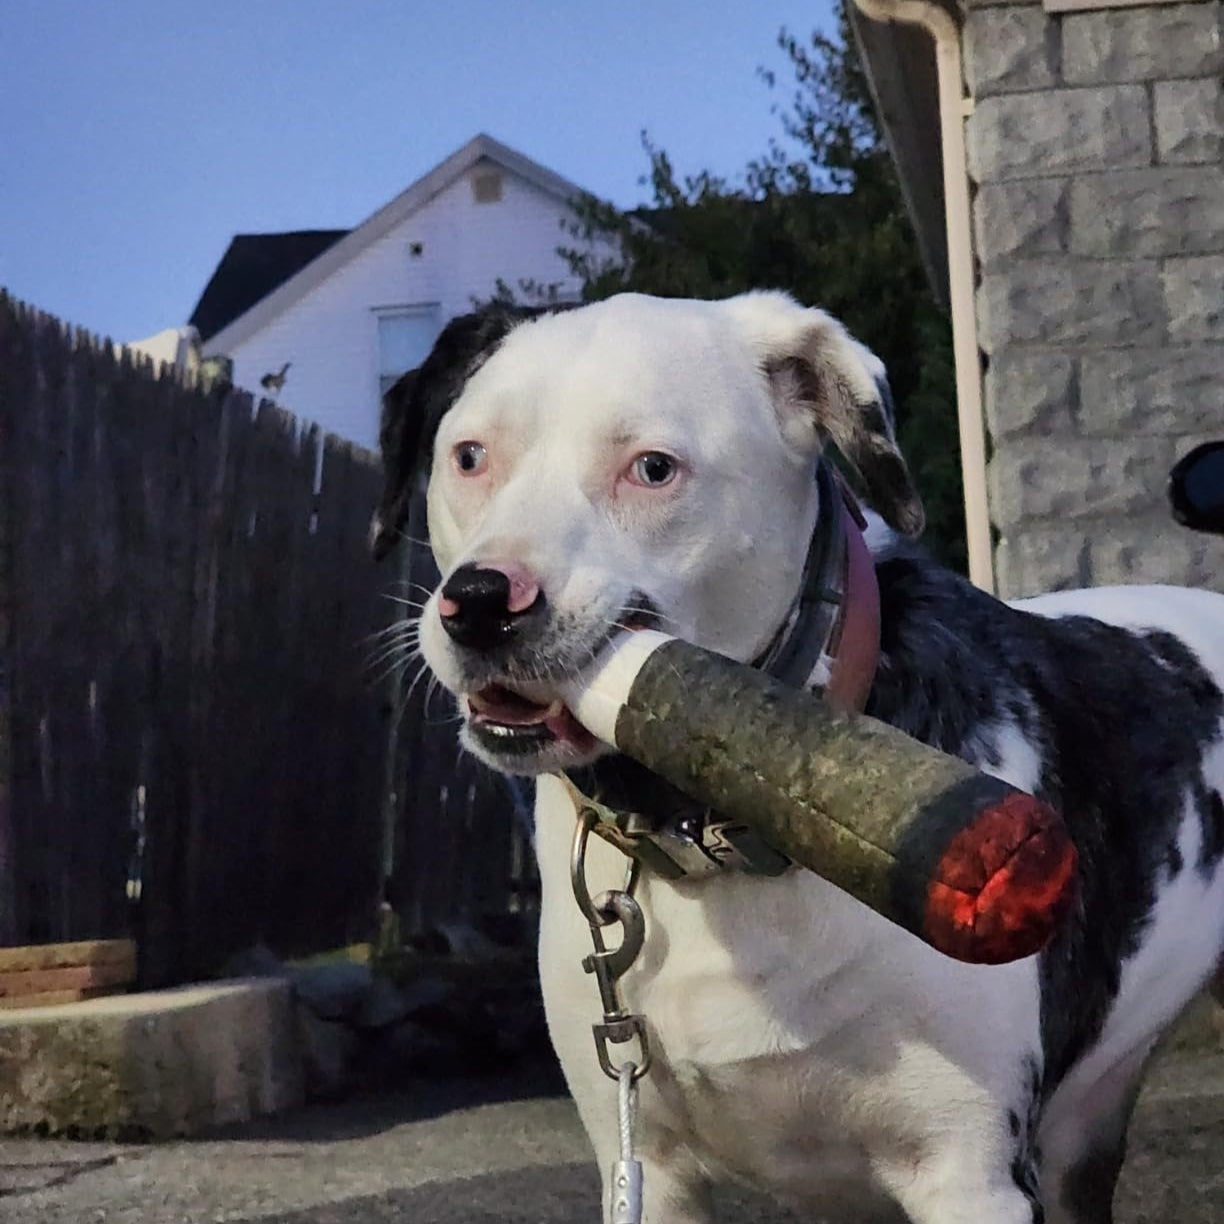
[899,61]
[252,266]
[348,245]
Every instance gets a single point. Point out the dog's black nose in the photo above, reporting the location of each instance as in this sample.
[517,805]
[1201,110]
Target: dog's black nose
[481,606]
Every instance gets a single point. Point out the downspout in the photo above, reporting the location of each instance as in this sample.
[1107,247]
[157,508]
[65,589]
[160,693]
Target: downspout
[953,108]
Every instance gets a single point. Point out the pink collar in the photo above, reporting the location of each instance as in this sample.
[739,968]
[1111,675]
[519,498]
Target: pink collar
[854,640]
[831,637]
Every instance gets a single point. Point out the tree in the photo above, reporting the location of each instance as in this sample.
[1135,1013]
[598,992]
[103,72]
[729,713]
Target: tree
[819,214]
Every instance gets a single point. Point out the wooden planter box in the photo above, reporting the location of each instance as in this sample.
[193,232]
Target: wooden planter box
[40,975]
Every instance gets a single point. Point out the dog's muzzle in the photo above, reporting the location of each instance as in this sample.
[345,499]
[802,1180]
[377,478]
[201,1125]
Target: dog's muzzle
[497,612]
[483,607]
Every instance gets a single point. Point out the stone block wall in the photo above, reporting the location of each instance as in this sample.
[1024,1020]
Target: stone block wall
[1096,148]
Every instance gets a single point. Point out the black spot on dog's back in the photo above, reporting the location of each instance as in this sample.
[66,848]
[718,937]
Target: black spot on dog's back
[1121,722]
[1211,812]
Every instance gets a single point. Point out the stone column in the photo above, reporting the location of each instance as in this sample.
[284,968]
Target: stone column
[1096,145]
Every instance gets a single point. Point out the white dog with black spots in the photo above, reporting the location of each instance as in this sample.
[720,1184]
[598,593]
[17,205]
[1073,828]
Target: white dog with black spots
[654,459]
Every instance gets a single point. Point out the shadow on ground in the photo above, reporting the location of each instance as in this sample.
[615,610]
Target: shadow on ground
[374,1111]
[505,1148]
[561,1194]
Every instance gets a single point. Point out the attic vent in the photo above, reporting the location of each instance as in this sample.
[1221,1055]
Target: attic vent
[487,186]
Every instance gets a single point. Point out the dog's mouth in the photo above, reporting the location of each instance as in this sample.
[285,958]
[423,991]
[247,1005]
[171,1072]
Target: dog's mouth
[524,718]
[507,720]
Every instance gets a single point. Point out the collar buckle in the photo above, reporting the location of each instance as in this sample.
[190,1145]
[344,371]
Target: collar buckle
[711,846]
[692,843]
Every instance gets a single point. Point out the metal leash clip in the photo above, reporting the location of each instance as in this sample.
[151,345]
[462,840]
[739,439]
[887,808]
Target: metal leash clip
[619,1025]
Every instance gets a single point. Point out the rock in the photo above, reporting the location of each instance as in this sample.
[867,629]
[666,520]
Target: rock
[335,990]
[1033,559]
[155,1064]
[1009,48]
[1020,219]
[255,962]
[1033,389]
[409,1049]
[1142,44]
[1069,478]
[1165,210]
[329,1051]
[467,943]
[1058,131]
[1194,293]
[1076,301]
[1190,121]
[1154,391]
[1142,548]
[386,1003]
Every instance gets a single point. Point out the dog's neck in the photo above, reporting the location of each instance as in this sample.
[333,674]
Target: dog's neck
[829,641]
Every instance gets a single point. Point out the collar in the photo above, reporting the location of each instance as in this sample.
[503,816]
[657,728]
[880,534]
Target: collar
[829,642]
[830,639]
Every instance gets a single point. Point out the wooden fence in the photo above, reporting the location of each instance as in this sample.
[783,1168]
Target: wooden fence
[194,747]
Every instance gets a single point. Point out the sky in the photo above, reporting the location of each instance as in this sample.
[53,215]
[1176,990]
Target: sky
[139,136]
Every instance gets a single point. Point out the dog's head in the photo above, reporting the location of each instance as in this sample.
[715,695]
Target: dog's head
[640,461]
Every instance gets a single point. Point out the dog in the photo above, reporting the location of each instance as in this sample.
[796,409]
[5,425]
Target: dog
[642,461]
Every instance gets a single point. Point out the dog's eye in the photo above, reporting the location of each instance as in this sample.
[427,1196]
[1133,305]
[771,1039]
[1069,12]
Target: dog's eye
[653,469]
[470,458]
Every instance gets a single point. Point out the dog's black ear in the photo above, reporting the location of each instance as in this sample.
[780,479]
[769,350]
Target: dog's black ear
[397,442]
[414,406]
[828,384]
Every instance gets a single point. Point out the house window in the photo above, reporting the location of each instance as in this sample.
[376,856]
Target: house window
[405,336]
[487,186]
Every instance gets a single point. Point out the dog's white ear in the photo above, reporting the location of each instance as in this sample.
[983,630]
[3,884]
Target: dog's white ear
[828,385]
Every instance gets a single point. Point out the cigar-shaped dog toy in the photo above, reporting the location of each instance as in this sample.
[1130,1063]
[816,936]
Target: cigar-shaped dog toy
[978,869]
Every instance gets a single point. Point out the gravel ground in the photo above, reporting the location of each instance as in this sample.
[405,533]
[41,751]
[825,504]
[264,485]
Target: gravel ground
[507,1150]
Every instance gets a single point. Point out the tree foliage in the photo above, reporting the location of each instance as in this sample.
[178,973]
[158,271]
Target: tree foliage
[819,214]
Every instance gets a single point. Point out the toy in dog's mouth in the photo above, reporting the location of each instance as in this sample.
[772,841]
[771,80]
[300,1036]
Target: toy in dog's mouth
[512,717]
[509,721]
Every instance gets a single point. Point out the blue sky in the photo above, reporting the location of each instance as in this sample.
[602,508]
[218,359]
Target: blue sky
[139,135]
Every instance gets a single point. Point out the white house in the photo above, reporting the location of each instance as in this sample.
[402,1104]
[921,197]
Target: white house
[343,314]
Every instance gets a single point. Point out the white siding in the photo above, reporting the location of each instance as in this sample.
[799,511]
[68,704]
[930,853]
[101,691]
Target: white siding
[331,335]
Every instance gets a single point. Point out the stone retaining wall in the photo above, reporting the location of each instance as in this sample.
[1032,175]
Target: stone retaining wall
[1096,145]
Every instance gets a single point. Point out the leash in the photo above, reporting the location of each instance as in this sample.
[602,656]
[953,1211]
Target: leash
[619,1026]
[831,640]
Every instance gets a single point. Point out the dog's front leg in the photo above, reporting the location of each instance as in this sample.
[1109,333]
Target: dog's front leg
[674,1190]
[954,1188]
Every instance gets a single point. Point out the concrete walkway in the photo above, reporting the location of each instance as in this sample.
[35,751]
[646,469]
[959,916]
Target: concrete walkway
[508,1151]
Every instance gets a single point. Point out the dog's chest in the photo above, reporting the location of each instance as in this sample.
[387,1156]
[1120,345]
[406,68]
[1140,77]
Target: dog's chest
[800,1042]
[791,1024]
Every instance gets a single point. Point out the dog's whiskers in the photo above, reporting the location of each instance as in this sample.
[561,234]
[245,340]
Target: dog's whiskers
[406,584]
[651,614]
[402,535]
[406,643]
[395,629]
[406,695]
[415,604]
[398,664]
